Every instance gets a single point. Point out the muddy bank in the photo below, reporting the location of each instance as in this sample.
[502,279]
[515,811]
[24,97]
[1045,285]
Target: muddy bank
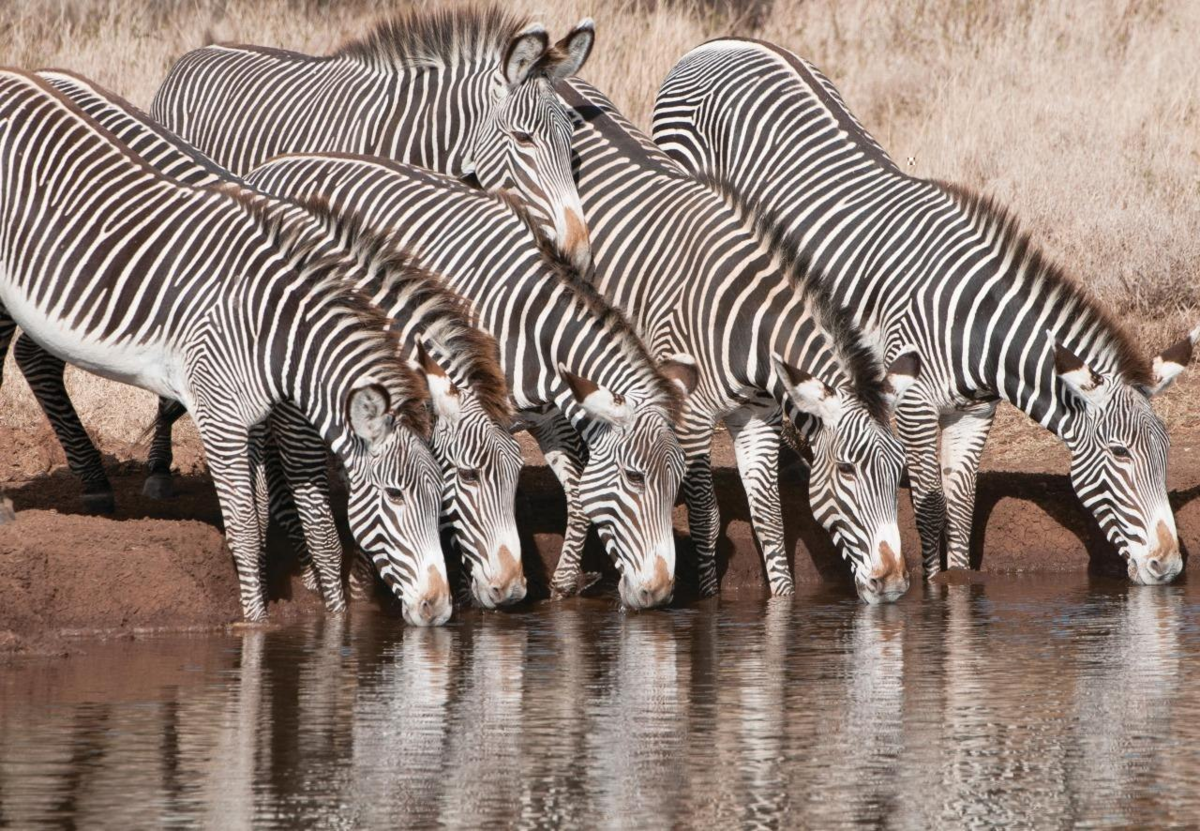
[163,564]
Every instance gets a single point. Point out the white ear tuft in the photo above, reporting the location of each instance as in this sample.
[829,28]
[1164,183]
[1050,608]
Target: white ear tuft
[1089,386]
[1172,361]
[597,402]
[570,54]
[810,394]
[524,50]
[901,375]
[682,370]
[447,403]
[367,412]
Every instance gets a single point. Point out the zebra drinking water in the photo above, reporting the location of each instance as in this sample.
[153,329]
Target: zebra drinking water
[480,460]
[695,273]
[467,92]
[580,376]
[925,263]
[189,293]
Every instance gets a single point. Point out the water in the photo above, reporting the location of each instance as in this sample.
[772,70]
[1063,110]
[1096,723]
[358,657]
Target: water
[1042,702]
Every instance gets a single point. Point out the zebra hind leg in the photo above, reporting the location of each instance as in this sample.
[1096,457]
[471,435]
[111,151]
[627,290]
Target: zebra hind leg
[564,453]
[917,420]
[158,484]
[964,433]
[8,328]
[756,437]
[44,373]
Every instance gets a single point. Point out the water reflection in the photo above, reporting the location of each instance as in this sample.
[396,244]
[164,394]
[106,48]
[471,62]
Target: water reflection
[1016,702]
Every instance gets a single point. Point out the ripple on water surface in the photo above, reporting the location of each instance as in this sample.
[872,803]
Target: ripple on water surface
[1040,701]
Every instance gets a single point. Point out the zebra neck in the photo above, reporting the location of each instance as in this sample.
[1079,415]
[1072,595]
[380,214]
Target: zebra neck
[438,133]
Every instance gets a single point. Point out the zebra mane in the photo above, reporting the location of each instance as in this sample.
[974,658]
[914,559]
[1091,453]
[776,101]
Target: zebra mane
[330,274]
[857,359]
[444,316]
[991,219]
[439,38]
[611,318]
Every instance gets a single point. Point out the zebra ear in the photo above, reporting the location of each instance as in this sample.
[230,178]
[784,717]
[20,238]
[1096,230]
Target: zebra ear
[901,375]
[681,370]
[597,402]
[570,54]
[1085,383]
[523,51]
[367,411]
[810,394]
[1170,362]
[447,403]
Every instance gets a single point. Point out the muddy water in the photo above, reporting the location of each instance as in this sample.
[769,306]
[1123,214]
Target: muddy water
[1045,702]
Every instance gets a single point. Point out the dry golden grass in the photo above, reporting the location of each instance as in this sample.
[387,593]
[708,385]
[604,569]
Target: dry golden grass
[1082,117]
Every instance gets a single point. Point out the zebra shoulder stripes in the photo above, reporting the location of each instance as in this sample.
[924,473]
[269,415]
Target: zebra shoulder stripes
[468,92]
[109,265]
[577,371]
[922,262]
[479,458]
[694,271]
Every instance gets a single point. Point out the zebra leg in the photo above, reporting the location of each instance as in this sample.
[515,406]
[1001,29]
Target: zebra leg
[964,433]
[917,422]
[302,457]
[704,518]
[8,328]
[44,372]
[565,454]
[228,449]
[756,437]
[283,511]
[158,483]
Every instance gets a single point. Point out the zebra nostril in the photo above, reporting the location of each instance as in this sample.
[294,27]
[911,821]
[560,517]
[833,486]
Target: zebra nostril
[1156,567]
[496,593]
[875,585]
[646,596]
[426,610]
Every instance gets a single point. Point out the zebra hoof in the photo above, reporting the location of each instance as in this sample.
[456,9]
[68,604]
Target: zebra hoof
[7,514]
[158,486]
[99,503]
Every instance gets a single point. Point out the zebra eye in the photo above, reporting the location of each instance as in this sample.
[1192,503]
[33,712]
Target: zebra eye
[395,495]
[636,477]
[522,138]
[470,475]
[1119,450]
[846,469]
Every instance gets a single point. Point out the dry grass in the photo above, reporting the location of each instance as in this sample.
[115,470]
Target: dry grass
[1082,117]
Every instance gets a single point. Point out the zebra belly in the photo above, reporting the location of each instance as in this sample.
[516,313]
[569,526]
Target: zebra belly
[153,365]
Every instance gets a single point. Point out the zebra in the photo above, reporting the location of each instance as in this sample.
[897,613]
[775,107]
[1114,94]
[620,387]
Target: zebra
[583,383]
[467,92]
[110,266]
[936,265]
[480,460]
[688,260]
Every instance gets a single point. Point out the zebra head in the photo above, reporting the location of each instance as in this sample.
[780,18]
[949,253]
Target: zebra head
[525,142]
[395,497]
[1119,458]
[855,476]
[633,473]
[480,463]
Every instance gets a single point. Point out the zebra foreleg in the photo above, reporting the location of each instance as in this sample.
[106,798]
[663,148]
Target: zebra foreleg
[756,437]
[44,373]
[704,518]
[964,433]
[565,454]
[8,328]
[917,422]
[302,456]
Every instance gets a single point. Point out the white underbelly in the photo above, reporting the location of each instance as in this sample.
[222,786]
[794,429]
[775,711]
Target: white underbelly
[154,365]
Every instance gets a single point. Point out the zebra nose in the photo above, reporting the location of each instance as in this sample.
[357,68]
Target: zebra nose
[875,585]
[425,610]
[1156,567]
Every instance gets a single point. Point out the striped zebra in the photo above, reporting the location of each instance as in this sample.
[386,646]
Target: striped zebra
[926,263]
[581,379]
[110,266]
[480,460]
[467,92]
[695,273]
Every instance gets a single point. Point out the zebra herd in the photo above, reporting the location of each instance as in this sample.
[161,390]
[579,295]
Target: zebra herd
[438,236]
